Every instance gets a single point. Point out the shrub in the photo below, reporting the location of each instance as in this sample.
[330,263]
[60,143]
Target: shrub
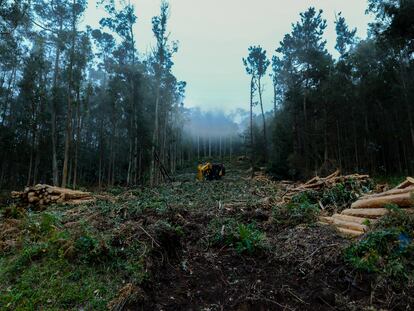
[14,212]
[244,238]
[387,250]
[336,198]
[293,214]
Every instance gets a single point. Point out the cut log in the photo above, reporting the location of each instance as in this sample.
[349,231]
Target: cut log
[334,174]
[409,181]
[349,225]
[40,195]
[402,200]
[326,220]
[78,202]
[358,220]
[364,212]
[389,192]
[349,232]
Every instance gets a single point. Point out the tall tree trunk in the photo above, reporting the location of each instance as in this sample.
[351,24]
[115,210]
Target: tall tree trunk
[69,100]
[274,99]
[78,131]
[130,156]
[153,179]
[198,146]
[251,119]
[55,172]
[230,147]
[264,120]
[29,173]
[325,135]
[9,93]
[305,132]
[338,140]
[407,101]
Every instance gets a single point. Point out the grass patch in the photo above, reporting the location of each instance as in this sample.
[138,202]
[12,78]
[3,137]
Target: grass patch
[60,269]
[55,283]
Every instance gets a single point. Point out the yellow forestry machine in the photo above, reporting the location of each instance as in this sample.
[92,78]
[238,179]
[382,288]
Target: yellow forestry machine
[211,171]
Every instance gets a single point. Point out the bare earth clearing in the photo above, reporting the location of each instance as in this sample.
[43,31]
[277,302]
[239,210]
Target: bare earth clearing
[182,246]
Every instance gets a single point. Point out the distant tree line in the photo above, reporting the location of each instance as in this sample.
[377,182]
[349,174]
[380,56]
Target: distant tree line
[354,112]
[212,135]
[80,106]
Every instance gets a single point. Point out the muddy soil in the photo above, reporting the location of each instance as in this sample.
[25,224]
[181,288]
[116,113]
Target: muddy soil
[301,268]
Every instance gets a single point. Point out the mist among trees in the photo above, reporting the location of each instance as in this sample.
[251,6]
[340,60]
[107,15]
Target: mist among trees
[81,106]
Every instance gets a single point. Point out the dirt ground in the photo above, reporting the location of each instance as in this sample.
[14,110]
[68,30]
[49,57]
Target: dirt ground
[174,233]
[300,268]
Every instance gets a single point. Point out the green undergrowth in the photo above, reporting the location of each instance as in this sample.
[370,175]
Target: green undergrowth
[244,238]
[336,198]
[59,268]
[392,181]
[388,249]
[295,213]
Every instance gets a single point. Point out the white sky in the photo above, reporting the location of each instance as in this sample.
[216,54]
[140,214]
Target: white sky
[214,35]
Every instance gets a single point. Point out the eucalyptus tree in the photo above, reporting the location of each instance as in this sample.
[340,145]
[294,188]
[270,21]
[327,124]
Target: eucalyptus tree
[82,92]
[394,26]
[162,64]
[33,100]
[345,38]
[276,76]
[256,65]
[77,9]
[307,62]
[121,21]
[54,19]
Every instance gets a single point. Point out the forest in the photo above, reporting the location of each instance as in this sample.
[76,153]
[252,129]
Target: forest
[122,190]
[354,112]
[82,106]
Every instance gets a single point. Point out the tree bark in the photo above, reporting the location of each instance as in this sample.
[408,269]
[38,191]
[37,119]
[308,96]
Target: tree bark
[251,118]
[264,119]
[55,172]
[69,101]
[78,131]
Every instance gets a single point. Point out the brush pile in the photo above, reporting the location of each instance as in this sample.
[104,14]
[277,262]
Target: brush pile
[321,184]
[39,196]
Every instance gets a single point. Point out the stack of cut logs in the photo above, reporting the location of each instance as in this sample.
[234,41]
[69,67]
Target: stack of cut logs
[39,196]
[321,183]
[371,207]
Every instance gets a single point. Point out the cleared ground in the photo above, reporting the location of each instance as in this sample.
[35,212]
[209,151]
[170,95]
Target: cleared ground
[221,245]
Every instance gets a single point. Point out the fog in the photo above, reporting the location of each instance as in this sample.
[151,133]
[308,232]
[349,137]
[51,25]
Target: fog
[214,134]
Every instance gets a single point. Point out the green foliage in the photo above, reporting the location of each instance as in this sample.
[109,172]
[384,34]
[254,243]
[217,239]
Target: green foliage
[246,239]
[343,194]
[388,250]
[13,212]
[293,214]
[306,197]
[327,110]
[336,198]
[56,284]
[392,181]
[115,190]
[76,267]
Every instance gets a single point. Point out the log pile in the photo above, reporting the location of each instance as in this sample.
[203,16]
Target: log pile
[371,207]
[322,183]
[39,196]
